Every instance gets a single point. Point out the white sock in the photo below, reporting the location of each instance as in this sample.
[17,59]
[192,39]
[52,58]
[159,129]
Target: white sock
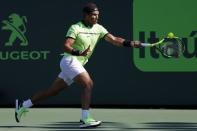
[27,103]
[84,114]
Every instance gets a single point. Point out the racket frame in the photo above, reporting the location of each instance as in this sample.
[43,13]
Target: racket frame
[160,42]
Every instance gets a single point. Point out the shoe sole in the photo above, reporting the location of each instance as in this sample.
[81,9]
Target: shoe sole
[90,126]
[81,121]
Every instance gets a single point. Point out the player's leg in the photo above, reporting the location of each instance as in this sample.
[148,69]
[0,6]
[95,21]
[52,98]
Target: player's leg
[86,82]
[77,73]
[21,108]
[57,86]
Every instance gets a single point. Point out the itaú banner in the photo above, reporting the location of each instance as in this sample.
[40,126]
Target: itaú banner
[153,20]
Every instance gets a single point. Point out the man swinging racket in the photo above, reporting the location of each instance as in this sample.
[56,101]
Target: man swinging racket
[79,45]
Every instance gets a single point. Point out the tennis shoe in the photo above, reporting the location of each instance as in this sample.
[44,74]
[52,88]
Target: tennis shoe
[89,122]
[19,111]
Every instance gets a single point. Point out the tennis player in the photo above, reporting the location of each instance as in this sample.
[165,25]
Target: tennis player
[80,42]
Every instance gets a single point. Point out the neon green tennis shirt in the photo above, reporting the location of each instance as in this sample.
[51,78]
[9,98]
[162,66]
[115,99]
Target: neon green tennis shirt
[85,36]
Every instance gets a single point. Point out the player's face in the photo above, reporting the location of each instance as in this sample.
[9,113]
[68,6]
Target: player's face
[93,17]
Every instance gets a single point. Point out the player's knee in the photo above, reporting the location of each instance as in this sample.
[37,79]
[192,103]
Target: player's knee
[88,84]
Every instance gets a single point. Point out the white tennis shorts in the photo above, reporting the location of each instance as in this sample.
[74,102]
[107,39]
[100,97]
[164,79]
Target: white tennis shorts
[70,68]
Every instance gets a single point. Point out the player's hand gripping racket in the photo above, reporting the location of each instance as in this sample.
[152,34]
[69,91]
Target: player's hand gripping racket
[170,46]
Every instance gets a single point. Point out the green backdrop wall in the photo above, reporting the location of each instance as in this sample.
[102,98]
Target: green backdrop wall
[32,62]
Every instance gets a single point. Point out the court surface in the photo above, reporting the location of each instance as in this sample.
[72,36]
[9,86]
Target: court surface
[67,119]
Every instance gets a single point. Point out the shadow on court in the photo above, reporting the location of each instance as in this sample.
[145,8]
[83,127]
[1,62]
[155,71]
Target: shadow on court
[74,126]
[172,126]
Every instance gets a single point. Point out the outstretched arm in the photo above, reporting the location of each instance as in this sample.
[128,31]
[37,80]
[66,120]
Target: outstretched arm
[118,41]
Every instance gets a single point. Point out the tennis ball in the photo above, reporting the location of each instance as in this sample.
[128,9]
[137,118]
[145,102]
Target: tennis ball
[170,35]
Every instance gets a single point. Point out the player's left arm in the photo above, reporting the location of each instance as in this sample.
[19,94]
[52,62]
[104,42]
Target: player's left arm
[118,41]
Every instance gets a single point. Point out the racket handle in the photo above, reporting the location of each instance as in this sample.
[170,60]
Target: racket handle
[146,44]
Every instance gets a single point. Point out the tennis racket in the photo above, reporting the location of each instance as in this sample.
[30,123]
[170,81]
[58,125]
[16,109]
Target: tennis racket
[170,46]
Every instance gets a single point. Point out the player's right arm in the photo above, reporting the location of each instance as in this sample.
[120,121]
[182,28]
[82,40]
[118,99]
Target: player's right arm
[68,45]
[69,49]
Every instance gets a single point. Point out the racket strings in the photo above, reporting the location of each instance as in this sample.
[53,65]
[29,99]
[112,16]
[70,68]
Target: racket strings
[172,47]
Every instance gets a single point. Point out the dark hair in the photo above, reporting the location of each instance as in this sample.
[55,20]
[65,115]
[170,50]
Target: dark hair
[90,7]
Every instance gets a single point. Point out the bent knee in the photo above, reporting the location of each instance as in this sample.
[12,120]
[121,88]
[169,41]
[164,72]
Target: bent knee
[88,84]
